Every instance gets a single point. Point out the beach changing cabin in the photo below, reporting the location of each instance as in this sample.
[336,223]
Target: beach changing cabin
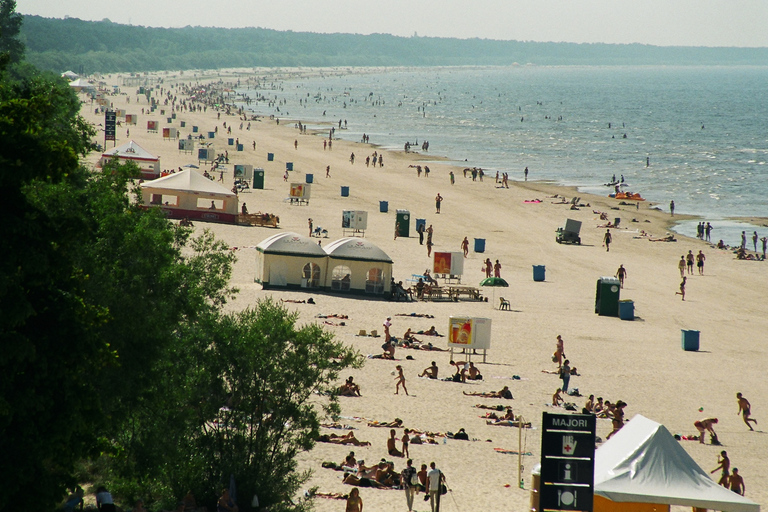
[188,194]
[356,265]
[290,260]
[149,164]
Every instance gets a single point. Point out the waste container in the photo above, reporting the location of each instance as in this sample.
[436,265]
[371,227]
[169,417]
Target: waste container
[403,218]
[421,222]
[211,135]
[479,244]
[616,222]
[310,178]
[690,340]
[195,129]
[258,179]
[173,116]
[183,124]
[627,309]
[344,191]
[288,166]
[607,296]
[270,157]
[539,272]
[169,120]
[383,206]
[239,147]
[230,142]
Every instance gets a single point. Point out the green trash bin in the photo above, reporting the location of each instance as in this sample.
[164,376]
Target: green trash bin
[690,340]
[627,309]
[403,218]
[607,296]
[258,178]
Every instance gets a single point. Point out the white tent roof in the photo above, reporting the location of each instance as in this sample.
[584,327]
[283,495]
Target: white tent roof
[643,463]
[70,74]
[130,150]
[188,181]
[356,249]
[291,244]
[80,82]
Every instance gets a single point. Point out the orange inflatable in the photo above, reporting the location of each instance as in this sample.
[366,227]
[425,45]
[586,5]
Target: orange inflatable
[629,196]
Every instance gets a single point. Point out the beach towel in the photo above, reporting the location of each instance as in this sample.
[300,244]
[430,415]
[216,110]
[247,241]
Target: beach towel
[510,452]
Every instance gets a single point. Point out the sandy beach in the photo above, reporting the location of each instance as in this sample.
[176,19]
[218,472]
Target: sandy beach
[640,362]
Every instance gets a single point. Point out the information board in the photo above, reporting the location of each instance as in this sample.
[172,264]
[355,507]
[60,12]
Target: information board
[567,462]
[110,121]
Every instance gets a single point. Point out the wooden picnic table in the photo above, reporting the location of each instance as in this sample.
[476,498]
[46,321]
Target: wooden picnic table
[456,290]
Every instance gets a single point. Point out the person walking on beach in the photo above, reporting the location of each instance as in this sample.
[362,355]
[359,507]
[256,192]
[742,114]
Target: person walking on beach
[559,351]
[765,241]
[429,235]
[310,226]
[420,230]
[754,240]
[708,231]
[488,267]
[672,208]
[743,240]
[407,478]
[621,273]
[354,501]
[565,375]
[681,265]
[682,288]
[400,378]
[607,239]
[465,246]
[438,200]
[525,172]
[700,258]
[453,178]
[736,482]
[745,410]
[435,478]
[497,269]
[328,171]
[689,261]
[724,465]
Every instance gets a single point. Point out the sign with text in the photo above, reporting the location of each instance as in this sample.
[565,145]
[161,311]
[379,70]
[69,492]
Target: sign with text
[567,462]
[110,121]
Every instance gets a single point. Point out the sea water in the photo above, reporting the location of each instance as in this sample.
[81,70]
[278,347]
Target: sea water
[695,135]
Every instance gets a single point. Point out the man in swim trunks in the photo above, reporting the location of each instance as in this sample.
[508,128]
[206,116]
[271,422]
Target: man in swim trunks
[736,482]
[621,273]
[705,425]
[430,371]
[725,466]
[745,410]
[391,448]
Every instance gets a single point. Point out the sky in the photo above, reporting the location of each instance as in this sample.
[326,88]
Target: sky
[741,23]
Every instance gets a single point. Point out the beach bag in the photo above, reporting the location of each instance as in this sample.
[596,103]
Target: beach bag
[443,489]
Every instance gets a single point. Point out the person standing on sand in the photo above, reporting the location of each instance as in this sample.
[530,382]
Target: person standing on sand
[438,200]
[607,239]
[672,208]
[745,410]
[354,502]
[682,288]
[754,240]
[565,375]
[465,246]
[708,231]
[700,262]
[689,261]
[397,229]
[736,482]
[435,478]
[681,265]
[310,226]
[420,230]
[400,378]
[559,351]
[453,178]
[705,425]
[743,240]
[724,465]
[328,171]
[525,172]
[497,269]
[621,273]
[406,482]
[488,267]
[387,324]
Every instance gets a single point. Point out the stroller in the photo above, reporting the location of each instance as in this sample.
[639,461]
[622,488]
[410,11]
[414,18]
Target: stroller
[320,232]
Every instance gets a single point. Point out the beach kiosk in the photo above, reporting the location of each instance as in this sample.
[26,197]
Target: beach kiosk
[188,194]
[170,133]
[149,164]
[467,333]
[187,145]
[357,266]
[354,222]
[152,126]
[448,265]
[206,154]
[299,193]
[290,260]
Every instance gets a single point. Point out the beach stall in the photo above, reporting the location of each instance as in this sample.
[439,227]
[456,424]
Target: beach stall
[469,333]
[299,193]
[356,265]
[206,154]
[188,194]
[152,126]
[170,133]
[289,260]
[448,265]
[354,222]
[149,164]
[131,118]
[643,468]
[186,145]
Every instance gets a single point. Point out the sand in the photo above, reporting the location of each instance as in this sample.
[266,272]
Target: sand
[640,362]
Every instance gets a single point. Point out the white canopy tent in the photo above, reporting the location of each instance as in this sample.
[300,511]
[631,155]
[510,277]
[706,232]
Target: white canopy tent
[290,260]
[643,463]
[149,164]
[356,265]
[70,75]
[190,194]
[81,84]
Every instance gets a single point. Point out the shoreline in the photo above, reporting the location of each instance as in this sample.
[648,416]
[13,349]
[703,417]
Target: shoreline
[640,362]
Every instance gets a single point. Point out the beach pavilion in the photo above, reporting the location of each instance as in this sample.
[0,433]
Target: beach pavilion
[290,260]
[355,265]
[643,468]
[149,164]
[188,194]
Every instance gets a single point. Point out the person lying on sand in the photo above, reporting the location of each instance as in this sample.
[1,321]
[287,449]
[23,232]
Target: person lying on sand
[328,495]
[509,423]
[491,407]
[503,393]
[397,423]
[415,315]
[345,439]
[430,332]
[508,415]
[351,479]
[667,238]
[337,425]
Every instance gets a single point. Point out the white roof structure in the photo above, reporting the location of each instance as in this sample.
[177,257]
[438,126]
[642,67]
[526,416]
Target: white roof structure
[291,244]
[643,463]
[81,83]
[189,181]
[69,74]
[130,150]
[353,248]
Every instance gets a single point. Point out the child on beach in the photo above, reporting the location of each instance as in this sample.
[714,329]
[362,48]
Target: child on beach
[400,378]
[745,410]
[682,287]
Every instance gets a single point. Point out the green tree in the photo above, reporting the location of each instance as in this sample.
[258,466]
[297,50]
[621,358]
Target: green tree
[11,49]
